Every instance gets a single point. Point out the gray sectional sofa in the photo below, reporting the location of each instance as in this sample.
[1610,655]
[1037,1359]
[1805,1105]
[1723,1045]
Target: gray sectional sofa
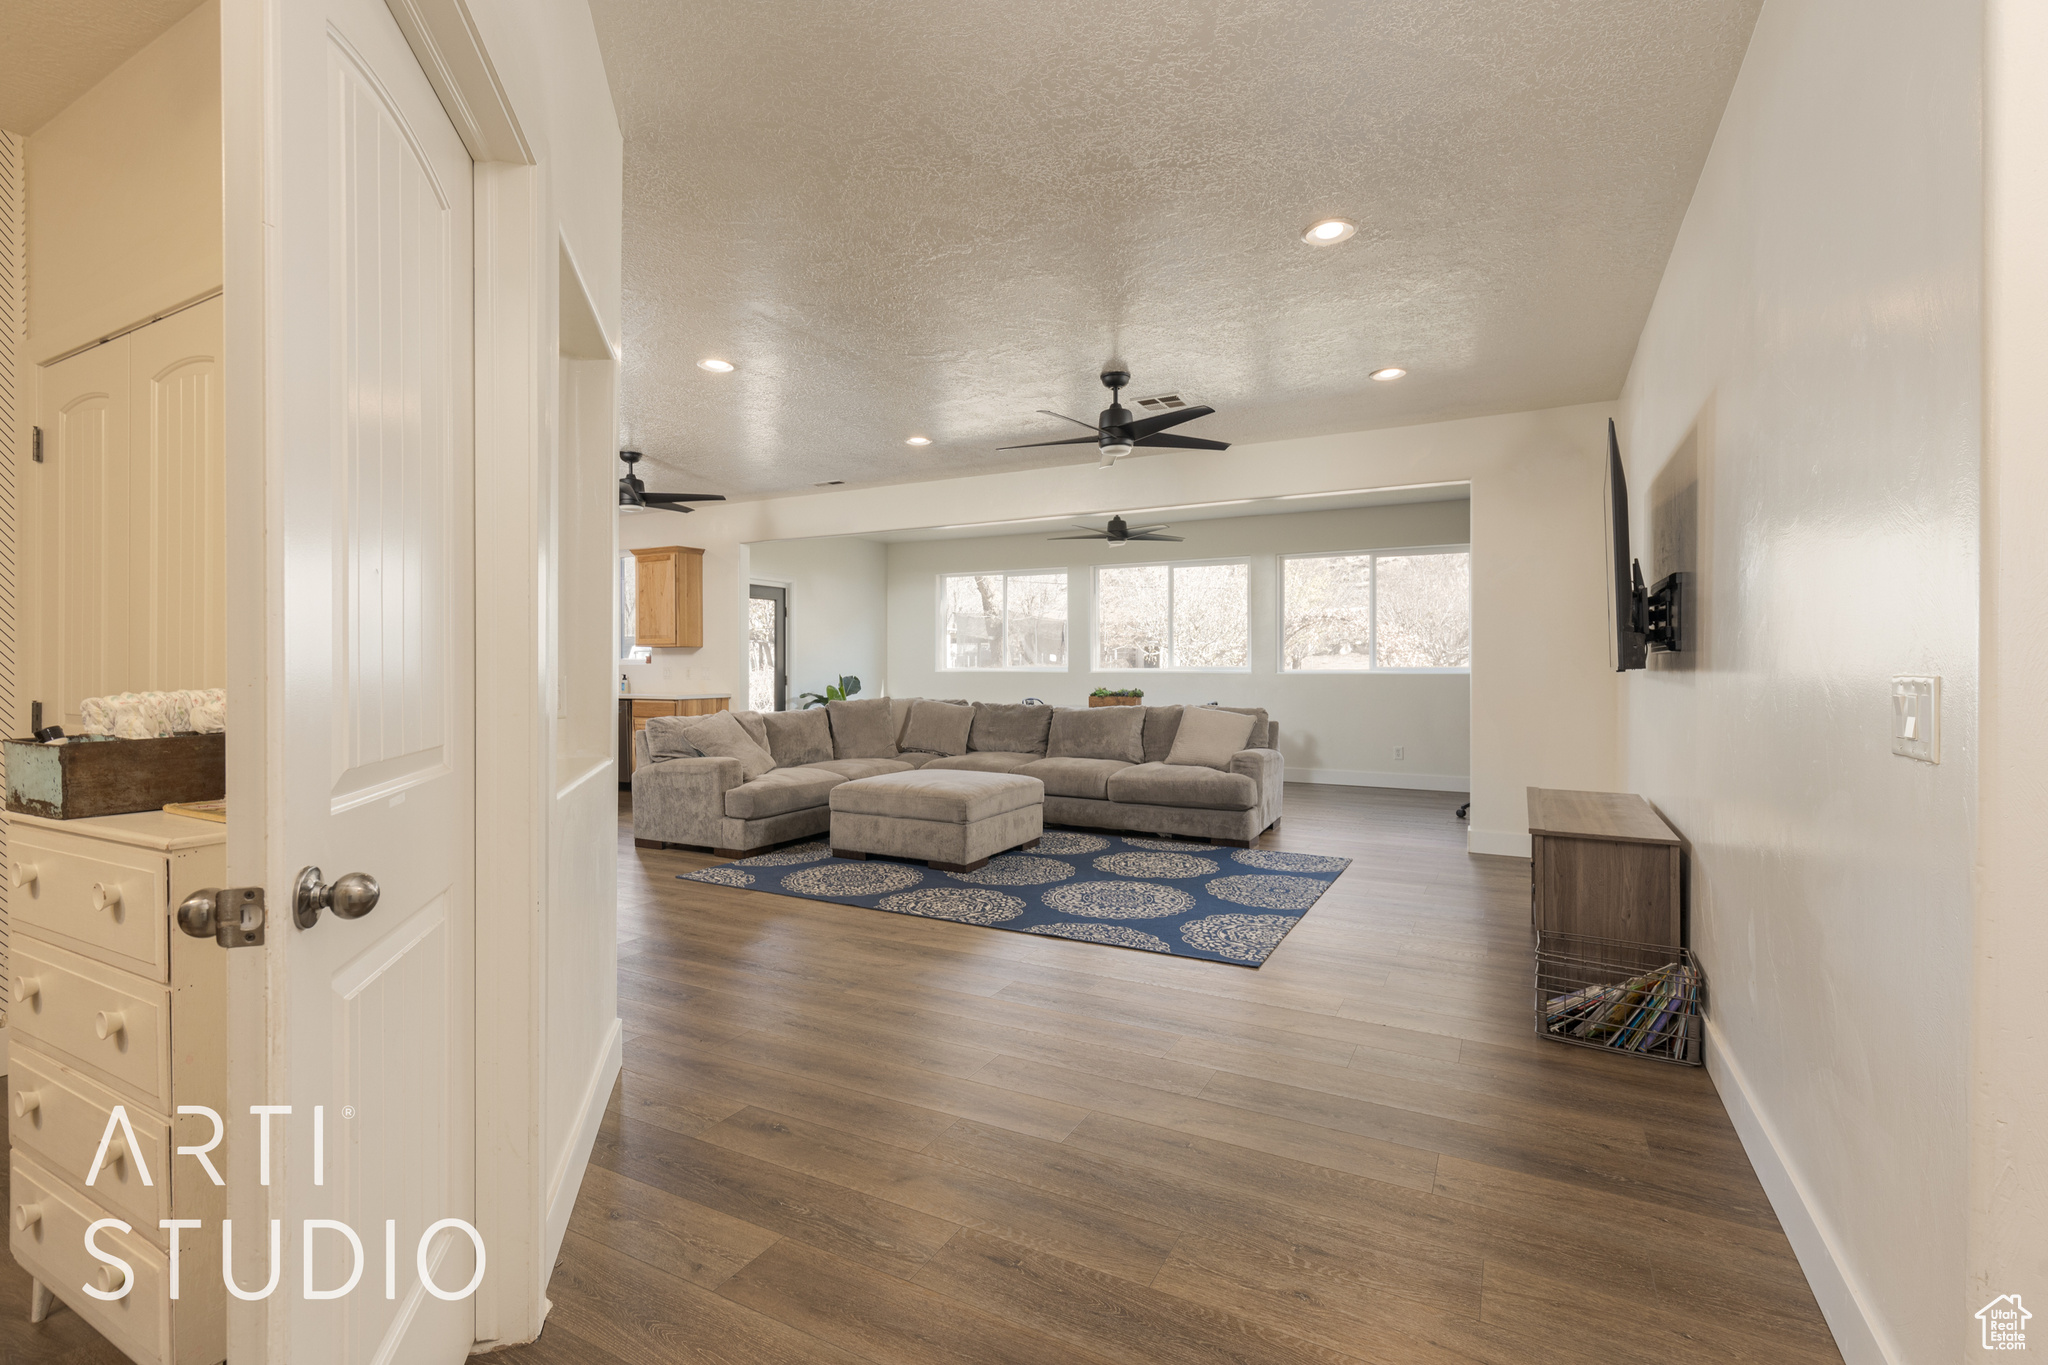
[1103,768]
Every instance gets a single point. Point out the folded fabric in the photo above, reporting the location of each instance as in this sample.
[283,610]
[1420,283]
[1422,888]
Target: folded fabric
[155,715]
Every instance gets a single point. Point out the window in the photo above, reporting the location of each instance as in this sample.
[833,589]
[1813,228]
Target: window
[629,653]
[1175,616]
[1410,609]
[997,620]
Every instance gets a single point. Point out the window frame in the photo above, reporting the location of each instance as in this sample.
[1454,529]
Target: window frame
[1003,650]
[1095,614]
[1373,608]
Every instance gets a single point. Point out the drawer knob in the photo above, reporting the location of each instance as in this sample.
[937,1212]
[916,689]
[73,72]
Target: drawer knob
[117,1150]
[108,1280]
[27,1216]
[27,988]
[105,895]
[24,875]
[26,1102]
[109,1023]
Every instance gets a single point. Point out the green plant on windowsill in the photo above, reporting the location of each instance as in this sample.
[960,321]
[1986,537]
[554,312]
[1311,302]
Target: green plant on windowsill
[1119,692]
[845,688]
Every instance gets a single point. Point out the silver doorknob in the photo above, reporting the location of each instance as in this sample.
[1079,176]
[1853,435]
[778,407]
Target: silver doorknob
[352,895]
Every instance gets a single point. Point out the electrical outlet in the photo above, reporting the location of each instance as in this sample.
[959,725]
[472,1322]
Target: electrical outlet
[1916,718]
[1400,752]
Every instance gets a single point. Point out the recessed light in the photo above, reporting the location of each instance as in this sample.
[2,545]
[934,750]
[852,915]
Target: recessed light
[918,441]
[1329,232]
[1390,372]
[716,366]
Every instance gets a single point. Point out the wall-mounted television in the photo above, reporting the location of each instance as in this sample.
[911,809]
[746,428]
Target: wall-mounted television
[1641,621]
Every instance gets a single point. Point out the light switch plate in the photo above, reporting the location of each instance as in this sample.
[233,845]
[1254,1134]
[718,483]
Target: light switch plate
[1916,718]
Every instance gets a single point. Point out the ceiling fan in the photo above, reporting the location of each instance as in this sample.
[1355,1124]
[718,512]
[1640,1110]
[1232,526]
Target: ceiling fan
[634,494]
[1117,433]
[1117,533]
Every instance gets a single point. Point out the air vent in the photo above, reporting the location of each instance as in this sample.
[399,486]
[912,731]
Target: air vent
[1165,402]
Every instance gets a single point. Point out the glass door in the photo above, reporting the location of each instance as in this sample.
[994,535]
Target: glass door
[767,648]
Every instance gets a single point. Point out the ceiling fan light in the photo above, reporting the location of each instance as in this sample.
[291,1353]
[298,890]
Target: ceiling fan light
[1118,450]
[1329,232]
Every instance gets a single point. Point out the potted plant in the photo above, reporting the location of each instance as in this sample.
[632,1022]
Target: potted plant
[840,691]
[1122,696]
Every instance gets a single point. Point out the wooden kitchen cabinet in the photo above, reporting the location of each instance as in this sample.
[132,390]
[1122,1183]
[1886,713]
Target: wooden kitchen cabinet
[668,599]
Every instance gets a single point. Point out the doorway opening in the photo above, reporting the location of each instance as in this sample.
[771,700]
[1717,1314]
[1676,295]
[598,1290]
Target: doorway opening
[767,648]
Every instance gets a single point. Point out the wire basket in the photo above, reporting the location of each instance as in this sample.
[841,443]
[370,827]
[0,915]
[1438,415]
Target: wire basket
[1642,999]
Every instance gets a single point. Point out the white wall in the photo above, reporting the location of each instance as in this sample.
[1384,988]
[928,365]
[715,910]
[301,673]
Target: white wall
[124,193]
[1335,727]
[838,611]
[1808,385]
[1543,700]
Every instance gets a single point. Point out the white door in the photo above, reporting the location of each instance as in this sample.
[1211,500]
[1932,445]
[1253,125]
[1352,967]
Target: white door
[369,479]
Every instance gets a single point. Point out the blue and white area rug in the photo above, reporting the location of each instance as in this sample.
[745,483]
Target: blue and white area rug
[1158,895]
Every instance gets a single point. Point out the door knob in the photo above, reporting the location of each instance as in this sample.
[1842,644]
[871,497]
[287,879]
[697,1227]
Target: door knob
[351,896]
[26,1102]
[24,875]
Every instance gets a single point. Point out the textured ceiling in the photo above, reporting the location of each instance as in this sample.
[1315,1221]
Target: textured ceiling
[53,51]
[932,217]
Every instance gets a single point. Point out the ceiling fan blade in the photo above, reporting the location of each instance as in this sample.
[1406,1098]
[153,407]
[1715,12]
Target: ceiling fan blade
[1181,443]
[668,507]
[1064,418]
[1070,441]
[1161,526]
[1092,535]
[1151,536]
[656,499]
[1145,426]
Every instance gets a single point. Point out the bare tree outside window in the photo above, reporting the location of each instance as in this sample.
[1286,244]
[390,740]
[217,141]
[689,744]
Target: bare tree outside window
[760,654]
[1210,606]
[1131,620]
[1171,616]
[1350,612]
[998,620]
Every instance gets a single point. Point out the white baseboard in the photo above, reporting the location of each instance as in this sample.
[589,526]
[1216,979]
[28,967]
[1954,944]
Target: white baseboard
[1858,1334]
[568,1174]
[1346,777]
[1504,843]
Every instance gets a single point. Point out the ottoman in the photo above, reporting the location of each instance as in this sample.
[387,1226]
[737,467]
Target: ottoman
[952,819]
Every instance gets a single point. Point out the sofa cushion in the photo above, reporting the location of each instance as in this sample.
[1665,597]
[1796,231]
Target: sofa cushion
[722,735]
[797,737]
[948,796]
[780,792]
[984,762]
[756,728]
[665,739]
[1161,724]
[1261,738]
[862,729]
[1004,728]
[854,768]
[1180,784]
[1087,778]
[937,727]
[1097,732]
[1208,737]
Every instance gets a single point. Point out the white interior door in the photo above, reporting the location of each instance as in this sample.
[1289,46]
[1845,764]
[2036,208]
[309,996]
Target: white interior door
[369,472]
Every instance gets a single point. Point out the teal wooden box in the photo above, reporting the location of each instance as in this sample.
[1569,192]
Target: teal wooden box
[87,775]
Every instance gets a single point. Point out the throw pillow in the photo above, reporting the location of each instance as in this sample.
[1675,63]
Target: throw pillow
[937,727]
[665,739]
[721,735]
[1098,732]
[862,729]
[1261,737]
[798,737]
[1209,737]
[1161,722]
[1002,728]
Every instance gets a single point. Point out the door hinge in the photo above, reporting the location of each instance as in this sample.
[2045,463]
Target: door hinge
[232,918]
[37,444]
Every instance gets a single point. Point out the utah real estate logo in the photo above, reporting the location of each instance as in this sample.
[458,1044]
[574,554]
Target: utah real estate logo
[2005,1323]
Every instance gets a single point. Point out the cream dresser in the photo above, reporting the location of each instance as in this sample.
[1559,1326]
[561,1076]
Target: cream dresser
[111,1004]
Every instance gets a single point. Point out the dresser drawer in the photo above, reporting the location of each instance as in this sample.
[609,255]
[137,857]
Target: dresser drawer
[100,899]
[58,1117]
[52,1248]
[64,1003]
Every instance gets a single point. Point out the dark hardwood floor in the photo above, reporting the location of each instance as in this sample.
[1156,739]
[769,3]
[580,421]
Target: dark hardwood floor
[850,1136]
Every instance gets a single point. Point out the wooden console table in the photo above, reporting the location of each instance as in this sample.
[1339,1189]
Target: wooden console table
[637,708]
[1604,864]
